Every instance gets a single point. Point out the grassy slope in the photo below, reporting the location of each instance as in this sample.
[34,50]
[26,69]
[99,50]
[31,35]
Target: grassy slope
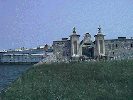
[100,80]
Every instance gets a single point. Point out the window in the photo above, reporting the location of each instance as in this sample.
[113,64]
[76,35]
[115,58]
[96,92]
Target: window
[101,46]
[109,46]
[112,46]
[131,45]
[116,45]
[75,47]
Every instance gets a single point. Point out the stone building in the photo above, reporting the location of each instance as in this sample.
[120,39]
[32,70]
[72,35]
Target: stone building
[101,48]
[120,48]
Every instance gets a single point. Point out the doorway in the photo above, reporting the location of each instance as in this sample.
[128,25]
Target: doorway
[88,51]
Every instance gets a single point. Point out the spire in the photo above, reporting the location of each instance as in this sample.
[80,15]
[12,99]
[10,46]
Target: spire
[99,29]
[74,31]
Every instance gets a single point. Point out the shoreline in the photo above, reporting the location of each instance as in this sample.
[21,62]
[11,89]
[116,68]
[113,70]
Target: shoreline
[18,63]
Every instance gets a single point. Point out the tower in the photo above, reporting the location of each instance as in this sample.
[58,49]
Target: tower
[74,38]
[99,44]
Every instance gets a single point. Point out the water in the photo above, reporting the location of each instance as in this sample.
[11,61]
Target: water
[9,73]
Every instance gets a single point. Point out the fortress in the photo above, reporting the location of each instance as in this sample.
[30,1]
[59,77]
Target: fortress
[73,49]
[101,48]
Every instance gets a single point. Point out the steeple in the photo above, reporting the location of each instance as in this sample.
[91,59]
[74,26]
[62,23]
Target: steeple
[99,29]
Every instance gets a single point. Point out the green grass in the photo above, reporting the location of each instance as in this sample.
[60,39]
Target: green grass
[100,80]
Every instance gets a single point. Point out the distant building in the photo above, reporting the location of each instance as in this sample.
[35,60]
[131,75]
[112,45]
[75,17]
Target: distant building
[42,47]
[10,50]
[31,55]
[17,49]
[15,58]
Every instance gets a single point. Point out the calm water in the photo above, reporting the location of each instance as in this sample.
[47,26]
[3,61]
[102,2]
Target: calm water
[9,73]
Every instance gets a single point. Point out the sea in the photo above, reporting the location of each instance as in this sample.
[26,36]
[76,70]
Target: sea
[9,73]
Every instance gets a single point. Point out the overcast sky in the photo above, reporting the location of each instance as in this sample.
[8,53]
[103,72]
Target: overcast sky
[30,23]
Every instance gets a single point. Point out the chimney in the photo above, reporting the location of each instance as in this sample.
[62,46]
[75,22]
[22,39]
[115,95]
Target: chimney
[121,38]
[64,39]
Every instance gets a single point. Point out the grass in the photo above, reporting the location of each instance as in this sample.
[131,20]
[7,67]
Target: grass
[100,80]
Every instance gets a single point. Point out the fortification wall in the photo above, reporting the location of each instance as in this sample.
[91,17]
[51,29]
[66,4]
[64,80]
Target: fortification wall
[119,49]
[62,49]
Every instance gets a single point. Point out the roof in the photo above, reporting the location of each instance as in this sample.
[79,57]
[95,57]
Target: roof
[62,41]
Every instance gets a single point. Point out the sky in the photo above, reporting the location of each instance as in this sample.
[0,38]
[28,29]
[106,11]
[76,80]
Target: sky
[31,23]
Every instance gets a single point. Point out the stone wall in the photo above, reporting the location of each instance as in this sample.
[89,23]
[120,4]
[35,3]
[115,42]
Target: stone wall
[62,49]
[119,49]
[47,60]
